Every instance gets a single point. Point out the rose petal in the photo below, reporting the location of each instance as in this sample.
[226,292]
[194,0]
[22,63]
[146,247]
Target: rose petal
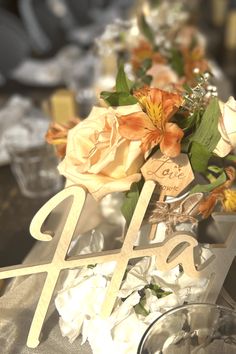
[98,185]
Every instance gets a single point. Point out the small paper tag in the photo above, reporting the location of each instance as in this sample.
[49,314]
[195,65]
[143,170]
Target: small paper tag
[172,174]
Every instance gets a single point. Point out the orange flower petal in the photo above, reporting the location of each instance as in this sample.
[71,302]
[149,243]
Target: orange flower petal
[170,143]
[150,140]
[57,135]
[207,206]
[135,126]
[159,105]
[170,102]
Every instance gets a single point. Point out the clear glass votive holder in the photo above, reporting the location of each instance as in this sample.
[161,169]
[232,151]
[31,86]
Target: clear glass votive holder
[35,170]
[192,329]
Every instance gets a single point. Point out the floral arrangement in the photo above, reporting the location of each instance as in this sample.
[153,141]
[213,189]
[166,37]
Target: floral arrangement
[169,49]
[104,154]
[160,47]
[106,151]
[169,106]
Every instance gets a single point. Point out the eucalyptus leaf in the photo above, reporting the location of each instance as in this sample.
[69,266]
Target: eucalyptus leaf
[206,188]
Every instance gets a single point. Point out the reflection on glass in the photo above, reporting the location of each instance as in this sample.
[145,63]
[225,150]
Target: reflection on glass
[193,328]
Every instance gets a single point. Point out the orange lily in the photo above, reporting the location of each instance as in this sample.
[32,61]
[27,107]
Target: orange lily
[57,135]
[151,125]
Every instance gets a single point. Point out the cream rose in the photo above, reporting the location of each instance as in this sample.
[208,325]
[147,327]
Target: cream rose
[163,77]
[227,128]
[98,158]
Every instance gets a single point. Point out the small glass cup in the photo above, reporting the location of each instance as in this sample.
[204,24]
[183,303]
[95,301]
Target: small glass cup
[33,161]
[192,328]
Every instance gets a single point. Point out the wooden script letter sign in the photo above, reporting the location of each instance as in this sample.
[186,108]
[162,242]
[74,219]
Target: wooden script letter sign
[179,249]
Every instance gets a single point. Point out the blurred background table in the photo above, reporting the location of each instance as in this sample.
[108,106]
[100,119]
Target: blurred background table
[16,212]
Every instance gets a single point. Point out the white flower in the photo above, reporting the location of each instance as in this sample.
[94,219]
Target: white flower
[79,304]
[83,298]
[227,128]
[137,277]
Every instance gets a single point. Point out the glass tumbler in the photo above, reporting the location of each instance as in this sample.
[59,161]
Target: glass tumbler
[192,328]
[33,161]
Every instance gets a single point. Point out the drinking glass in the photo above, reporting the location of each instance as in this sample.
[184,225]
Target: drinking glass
[33,162]
[192,328]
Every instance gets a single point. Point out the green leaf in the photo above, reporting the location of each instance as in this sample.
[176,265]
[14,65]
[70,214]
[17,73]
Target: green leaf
[118,98]
[123,84]
[199,157]
[147,79]
[177,62]
[207,133]
[185,144]
[140,308]
[215,169]
[146,64]
[155,3]
[186,123]
[206,188]
[158,291]
[91,266]
[130,202]
[193,43]
[187,88]
[231,158]
[146,29]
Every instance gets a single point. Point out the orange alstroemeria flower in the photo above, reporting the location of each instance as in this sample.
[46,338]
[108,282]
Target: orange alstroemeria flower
[194,59]
[57,135]
[222,194]
[144,51]
[151,125]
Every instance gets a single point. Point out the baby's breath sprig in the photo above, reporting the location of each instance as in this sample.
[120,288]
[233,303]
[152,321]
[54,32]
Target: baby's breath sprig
[197,97]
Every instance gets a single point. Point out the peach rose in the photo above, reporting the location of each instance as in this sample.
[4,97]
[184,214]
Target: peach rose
[227,128]
[98,157]
[163,77]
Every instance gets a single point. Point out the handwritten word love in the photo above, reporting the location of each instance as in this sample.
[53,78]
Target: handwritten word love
[173,175]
